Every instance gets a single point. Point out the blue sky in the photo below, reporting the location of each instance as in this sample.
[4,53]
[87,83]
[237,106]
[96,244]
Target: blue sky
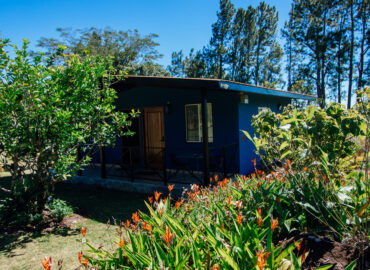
[180,24]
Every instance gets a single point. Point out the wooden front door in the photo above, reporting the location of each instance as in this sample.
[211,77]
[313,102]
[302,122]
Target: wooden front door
[154,137]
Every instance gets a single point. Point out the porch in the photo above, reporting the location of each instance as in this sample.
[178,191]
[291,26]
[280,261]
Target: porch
[163,165]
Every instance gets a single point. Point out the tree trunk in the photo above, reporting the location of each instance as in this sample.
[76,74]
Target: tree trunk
[363,16]
[351,57]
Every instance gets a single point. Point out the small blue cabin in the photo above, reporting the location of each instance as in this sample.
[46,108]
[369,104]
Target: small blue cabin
[171,143]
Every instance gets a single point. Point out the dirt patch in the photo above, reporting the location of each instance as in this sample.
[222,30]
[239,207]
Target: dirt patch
[323,251]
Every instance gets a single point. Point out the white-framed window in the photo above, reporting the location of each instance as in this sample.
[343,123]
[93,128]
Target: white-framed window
[193,122]
[262,109]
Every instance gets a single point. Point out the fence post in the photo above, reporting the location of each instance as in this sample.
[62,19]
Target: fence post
[164,167]
[224,154]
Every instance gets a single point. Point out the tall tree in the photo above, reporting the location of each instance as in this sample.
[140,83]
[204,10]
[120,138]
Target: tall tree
[221,37]
[266,24]
[352,46]
[130,51]
[363,14]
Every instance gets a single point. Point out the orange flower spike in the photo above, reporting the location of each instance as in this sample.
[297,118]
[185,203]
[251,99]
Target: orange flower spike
[157,195]
[239,204]
[121,243]
[150,198]
[149,228]
[259,222]
[164,200]
[229,201]
[168,236]
[85,261]
[261,259]
[305,169]
[216,267]
[177,205]
[127,224]
[135,217]
[170,188]
[160,211]
[83,231]
[303,258]
[259,211]
[298,245]
[222,226]
[239,219]
[145,225]
[254,162]
[274,224]
[46,263]
[216,178]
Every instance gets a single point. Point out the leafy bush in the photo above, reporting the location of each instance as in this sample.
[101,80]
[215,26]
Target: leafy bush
[59,209]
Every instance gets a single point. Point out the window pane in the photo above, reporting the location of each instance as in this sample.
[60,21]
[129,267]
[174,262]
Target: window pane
[210,122]
[192,123]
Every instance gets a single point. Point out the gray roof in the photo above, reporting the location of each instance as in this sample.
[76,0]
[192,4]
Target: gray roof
[204,83]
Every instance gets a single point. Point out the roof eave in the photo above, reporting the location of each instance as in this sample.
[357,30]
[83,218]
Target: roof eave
[262,91]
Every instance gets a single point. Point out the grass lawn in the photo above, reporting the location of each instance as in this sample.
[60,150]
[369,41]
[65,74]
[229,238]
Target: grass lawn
[93,208]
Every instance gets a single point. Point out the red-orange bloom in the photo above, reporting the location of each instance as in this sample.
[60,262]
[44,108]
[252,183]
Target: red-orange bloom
[216,267]
[229,201]
[254,162]
[85,261]
[157,195]
[135,217]
[160,211]
[168,235]
[303,258]
[239,204]
[164,200]
[83,231]
[274,224]
[239,219]
[178,204]
[46,263]
[121,243]
[149,228]
[298,245]
[222,226]
[259,211]
[305,168]
[150,198]
[261,258]
[170,188]
[216,178]
[127,224]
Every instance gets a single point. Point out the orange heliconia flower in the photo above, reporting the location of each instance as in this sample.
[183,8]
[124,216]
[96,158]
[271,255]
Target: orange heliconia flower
[160,211]
[145,225]
[239,204]
[168,235]
[216,267]
[150,198]
[135,217]
[178,204]
[259,219]
[222,226]
[254,162]
[274,224]
[149,228]
[170,188]
[127,224]
[305,168]
[216,178]
[261,258]
[85,261]
[157,195]
[239,219]
[303,258]
[164,200]
[259,211]
[46,263]
[121,243]
[229,201]
[83,231]
[298,245]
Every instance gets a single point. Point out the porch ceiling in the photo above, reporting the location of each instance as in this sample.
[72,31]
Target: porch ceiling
[203,83]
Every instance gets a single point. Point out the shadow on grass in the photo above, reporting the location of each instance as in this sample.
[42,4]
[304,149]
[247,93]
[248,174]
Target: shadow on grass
[90,202]
[100,204]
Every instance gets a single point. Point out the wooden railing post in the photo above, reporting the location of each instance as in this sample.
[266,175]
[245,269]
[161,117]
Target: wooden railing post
[206,173]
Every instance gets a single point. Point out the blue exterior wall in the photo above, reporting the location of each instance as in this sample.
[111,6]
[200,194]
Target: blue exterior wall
[246,111]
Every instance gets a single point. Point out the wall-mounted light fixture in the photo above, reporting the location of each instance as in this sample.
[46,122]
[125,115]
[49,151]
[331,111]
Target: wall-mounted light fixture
[168,107]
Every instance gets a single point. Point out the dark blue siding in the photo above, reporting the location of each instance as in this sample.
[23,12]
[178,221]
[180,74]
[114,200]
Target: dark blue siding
[246,111]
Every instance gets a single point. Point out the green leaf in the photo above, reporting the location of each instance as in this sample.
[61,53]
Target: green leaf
[351,266]
[324,267]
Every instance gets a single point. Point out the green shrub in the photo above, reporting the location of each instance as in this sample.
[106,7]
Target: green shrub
[59,209]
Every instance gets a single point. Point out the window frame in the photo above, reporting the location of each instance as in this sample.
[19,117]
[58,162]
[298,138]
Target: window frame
[200,131]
